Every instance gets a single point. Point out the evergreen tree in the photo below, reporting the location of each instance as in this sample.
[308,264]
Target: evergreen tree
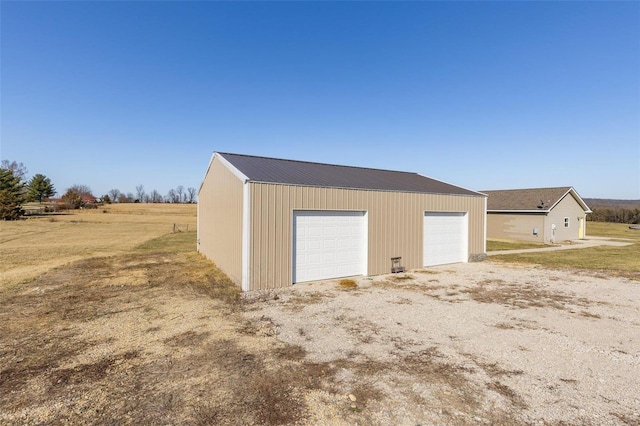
[11,195]
[40,187]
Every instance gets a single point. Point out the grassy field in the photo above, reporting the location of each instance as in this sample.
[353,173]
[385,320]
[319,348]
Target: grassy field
[497,245]
[33,246]
[621,261]
[111,318]
[108,317]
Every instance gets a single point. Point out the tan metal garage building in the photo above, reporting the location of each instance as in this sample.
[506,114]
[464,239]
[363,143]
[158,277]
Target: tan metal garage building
[270,222]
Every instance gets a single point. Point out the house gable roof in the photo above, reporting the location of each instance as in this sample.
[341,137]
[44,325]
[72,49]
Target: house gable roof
[303,173]
[533,200]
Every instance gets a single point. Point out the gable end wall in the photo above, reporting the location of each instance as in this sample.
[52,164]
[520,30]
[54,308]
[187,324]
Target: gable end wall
[220,220]
[567,207]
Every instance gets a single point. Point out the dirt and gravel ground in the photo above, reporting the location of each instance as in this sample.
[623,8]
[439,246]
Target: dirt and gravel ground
[163,338]
[470,343]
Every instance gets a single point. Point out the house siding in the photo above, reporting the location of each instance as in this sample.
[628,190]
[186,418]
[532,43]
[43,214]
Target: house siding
[220,202]
[515,226]
[519,226]
[395,225]
[567,207]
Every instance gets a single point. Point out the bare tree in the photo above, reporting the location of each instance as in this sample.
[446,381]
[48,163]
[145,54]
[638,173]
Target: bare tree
[83,190]
[19,170]
[140,193]
[179,193]
[77,196]
[155,197]
[191,194]
[172,196]
[114,195]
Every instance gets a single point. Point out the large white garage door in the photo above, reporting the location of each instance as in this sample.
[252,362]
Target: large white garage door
[329,244]
[445,238]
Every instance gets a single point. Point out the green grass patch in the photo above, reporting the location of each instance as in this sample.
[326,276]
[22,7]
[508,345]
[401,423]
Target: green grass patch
[493,245]
[615,261]
[612,230]
[179,242]
[618,260]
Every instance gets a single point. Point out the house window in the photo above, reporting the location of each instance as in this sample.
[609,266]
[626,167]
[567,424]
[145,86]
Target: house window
[566,222]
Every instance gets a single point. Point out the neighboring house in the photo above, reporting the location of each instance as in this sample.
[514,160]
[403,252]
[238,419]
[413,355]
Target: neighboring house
[269,222]
[543,215]
[86,199]
[89,199]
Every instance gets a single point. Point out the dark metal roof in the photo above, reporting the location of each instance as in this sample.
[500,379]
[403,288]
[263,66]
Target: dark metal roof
[274,170]
[538,199]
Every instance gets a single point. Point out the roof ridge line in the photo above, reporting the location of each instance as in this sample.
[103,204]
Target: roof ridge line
[527,189]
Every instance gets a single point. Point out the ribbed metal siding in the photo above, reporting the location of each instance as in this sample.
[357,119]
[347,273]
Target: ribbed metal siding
[220,220]
[395,225]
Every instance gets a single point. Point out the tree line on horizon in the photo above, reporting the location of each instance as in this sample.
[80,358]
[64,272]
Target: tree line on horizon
[616,211]
[615,215]
[16,190]
[177,195]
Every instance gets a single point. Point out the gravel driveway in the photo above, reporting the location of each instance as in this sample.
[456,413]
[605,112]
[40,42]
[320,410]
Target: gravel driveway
[467,344]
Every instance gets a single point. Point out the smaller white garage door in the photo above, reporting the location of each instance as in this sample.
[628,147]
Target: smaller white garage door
[445,238]
[329,244]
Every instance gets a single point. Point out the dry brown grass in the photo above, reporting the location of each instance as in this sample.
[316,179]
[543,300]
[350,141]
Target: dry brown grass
[522,295]
[508,393]
[399,278]
[36,245]
[146,331]
[125,323]
[426,271]
[294,302]
[347,284]
[149,337]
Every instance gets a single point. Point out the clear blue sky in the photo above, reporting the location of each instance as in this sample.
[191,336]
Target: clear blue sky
[485,95]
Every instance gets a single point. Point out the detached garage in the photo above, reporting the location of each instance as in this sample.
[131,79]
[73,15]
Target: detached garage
[270,223]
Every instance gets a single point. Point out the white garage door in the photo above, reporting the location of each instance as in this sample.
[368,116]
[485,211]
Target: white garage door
[445,238]
[329,244]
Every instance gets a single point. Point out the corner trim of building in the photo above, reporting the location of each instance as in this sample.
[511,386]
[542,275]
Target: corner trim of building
[484,219]
[237,173]
[198,227]
[245,236]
